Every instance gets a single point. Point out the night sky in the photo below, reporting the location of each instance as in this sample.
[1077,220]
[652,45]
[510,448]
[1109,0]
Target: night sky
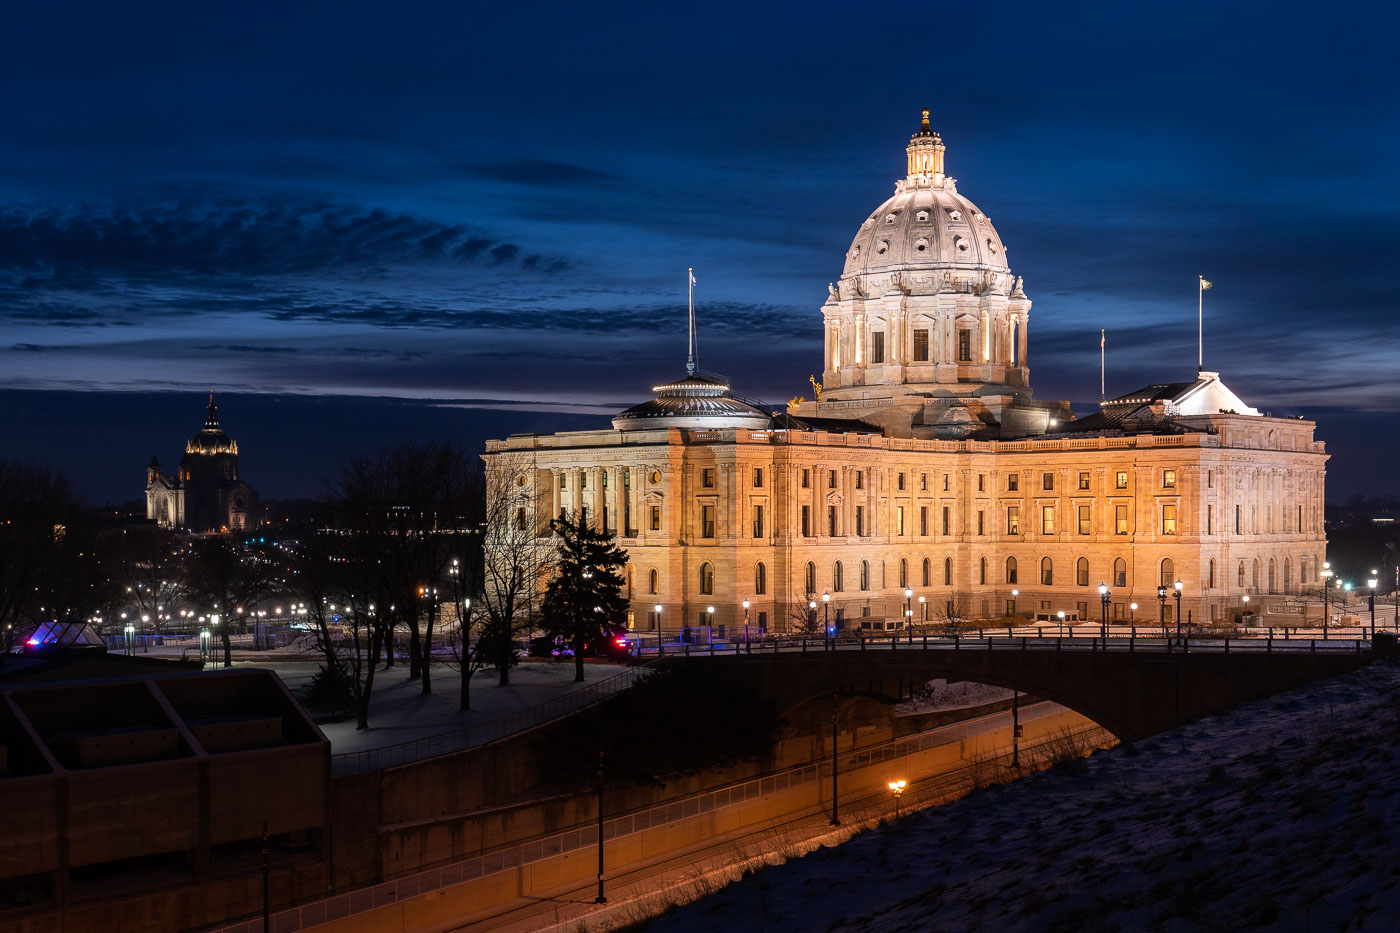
[342,216]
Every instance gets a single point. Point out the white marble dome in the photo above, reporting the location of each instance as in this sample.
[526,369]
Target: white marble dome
[926,225]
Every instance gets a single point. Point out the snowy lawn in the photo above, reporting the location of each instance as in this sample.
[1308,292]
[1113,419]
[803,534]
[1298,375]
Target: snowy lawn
[1281,814]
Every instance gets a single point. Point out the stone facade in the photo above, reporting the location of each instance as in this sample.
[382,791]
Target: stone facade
[925,465]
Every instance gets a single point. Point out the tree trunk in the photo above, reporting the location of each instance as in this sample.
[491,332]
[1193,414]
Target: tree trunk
[465,704]
[415,653]
[428,654]
[578,659]
[228,645]
[362,713]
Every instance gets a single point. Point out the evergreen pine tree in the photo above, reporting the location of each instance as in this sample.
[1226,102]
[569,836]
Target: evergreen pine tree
[584,597]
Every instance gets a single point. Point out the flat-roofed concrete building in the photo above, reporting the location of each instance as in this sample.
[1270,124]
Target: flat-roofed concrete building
[926,467]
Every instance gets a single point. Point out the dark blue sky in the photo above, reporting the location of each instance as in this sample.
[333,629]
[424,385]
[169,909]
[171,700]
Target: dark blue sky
[496,204]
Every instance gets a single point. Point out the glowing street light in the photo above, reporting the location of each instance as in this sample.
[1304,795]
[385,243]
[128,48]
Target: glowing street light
[1371,596]
[1104,596]
[1132,614]
[897,788]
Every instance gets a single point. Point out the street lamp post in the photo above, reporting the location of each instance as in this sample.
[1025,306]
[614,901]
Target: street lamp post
[1326,575]
[657,608]
[746,625]
[1104,596]
[923,610]
[1062,623]
[909,613]
[812,617]
[1162,608]
[897,788]
[601,898]
[710,622]
[826,616]
[1177,587]
[1246,611]
[1372,584]
[1014,593]
[1132,615]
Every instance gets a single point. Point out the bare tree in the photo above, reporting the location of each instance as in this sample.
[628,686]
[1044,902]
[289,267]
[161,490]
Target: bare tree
[516,556]
[227,574]
[49,568]
[149,573]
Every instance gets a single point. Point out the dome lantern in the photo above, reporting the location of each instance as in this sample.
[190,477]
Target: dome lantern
[925,153]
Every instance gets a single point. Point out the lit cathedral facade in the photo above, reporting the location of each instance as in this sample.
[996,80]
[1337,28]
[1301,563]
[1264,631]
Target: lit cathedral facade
[205,493]
[926,465]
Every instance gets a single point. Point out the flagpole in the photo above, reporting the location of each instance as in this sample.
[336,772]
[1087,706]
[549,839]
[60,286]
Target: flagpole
[690,333]
[1101,368]
[1202,284]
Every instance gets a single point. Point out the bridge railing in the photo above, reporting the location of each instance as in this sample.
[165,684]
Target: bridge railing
[1269,642]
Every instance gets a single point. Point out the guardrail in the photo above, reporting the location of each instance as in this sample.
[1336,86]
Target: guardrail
[985,640]
[388,756]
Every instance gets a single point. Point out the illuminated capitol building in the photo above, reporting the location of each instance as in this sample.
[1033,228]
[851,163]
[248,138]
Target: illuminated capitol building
[926,465]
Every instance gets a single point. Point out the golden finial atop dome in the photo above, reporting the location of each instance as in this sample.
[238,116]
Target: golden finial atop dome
[925,151]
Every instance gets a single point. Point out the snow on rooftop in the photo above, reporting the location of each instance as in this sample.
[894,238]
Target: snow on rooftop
[1282,813]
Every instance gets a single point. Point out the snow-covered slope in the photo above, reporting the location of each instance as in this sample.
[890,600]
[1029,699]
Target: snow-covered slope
[1280,814]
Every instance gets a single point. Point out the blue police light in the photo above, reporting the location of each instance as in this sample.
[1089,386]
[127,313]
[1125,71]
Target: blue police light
[831,630]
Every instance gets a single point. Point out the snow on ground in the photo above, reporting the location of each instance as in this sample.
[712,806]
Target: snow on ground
[1280,814]
[940,695]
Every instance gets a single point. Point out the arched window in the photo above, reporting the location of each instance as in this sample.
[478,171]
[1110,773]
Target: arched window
[1168,572]
[1120,572]
[947,571]
[1272,576]
[1081,571]
[982,571]
[1254,575]
[707,579]
[1287,575]
[1241,583]
[760,579]
[1011,570]
[865,575]
[903,573]
[1211,578]
[653,581]
[1047,572]
[811,581]
[926,573]
[836,582]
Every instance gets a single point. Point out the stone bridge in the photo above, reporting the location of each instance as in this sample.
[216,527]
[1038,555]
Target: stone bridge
[1133,691]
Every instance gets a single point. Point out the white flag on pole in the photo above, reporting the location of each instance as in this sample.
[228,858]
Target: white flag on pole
[1205,283]
[692,277]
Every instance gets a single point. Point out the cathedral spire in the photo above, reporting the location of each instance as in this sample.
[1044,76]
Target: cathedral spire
[213,420]
[925,152]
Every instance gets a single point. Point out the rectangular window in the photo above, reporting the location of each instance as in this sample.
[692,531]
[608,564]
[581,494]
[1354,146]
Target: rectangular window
[923,520]
[1083,610]
[899,520]
[1122,479]
[1011,607]
[923,480]
[607,522]
[921,346]
[900,481]
[947,523]
[758,521]
[583,515]
[707,521]
[1300,519]
[1085,522]
[563,481]
[806,521]
[1169,479]
[583,481]
[980,484]
[945,482]
[860,479]
[1013,482]
[1168,519]
[806,479]
[604,478]
[860,521]
[656,518]
[520,518]
[1210,479]
[831,521]
[707,478]
[964,346]
[1237,519]
[1083,480]
[1047,520]
[1047,481]
[1210,519]
[830,479]
[877,346]
[980,522]
[758,477]
[1120,519]
[1013,519]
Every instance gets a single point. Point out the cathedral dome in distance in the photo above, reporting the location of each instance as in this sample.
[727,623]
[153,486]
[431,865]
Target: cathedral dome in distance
[212,439]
